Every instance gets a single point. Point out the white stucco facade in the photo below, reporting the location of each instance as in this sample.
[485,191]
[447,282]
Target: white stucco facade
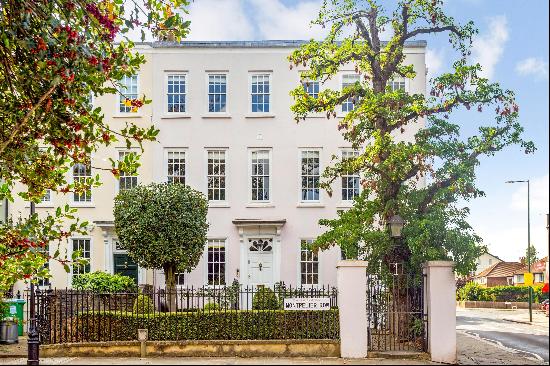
[485,261]
[240,136]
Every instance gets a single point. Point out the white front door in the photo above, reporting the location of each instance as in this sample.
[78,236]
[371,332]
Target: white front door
[260,261]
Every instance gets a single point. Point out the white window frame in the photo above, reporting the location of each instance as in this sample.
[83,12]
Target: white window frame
[206,261]
[169,150]
[208,150]
[118,151]
[304,82]
[270,190]
[251,75]
[44,283]
[71,251]
[120,95]
[398,78]
[304,285]
[207,104]
[82,203]
[47,203]
[342,152]
[300,153]
[342,77]
[167,75]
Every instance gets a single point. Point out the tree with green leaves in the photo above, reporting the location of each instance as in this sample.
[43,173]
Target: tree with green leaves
[162,226]
[531,255]
[423,181]
[54,56]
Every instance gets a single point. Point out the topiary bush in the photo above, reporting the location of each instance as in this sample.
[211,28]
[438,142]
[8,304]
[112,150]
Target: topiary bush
[143,305]
[103,282]
[212,306]
[265,299]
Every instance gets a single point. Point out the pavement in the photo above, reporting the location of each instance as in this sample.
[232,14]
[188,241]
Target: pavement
[508,331]
[215,361]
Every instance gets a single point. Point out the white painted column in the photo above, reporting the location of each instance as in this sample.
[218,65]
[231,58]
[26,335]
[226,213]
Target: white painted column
[440,305]
[351,279]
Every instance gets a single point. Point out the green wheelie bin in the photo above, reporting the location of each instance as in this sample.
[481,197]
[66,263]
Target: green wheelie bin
[15,310]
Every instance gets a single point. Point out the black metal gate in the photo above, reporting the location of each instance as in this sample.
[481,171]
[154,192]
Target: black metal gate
[396,317]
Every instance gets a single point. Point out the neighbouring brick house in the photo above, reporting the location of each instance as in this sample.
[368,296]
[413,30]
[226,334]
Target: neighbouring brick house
[499,274]
[538,268]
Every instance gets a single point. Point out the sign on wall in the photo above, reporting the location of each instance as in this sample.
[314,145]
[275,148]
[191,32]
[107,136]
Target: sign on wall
[307,303]
[528,279]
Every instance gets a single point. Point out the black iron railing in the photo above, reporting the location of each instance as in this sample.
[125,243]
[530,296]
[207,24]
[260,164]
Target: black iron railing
[188,313]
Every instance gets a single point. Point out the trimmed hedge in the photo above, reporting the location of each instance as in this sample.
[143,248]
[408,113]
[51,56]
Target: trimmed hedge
[475,292]
[203,325]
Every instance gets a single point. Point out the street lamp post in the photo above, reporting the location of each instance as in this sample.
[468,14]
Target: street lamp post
[528,243]
[33,341]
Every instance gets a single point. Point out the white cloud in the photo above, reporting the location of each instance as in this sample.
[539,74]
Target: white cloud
[276,20]
[434,61]
[219,20]
[488,48]
[533,66]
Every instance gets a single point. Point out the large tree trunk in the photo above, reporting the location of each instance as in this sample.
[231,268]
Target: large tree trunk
[171,292]
[400,312]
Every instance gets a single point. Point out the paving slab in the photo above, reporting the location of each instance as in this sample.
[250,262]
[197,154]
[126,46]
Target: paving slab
[213,361]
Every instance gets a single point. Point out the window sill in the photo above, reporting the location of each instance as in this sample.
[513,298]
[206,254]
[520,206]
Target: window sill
[316,115]
[78,205]
[216,115]
[218,204]
[42,205]
[259,205]
[310,204]
[259,115]
[175,115]
[127,115]
[345,204]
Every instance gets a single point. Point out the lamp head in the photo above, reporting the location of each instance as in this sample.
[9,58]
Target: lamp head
[396,224]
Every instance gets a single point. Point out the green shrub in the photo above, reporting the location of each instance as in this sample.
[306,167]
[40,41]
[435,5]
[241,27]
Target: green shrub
[199,325]
[474,292]
[470,292]
[265,299]
[143,305]
[212,306]
[103,282]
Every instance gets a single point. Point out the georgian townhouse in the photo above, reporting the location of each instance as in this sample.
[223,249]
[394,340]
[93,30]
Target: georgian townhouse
[226,129]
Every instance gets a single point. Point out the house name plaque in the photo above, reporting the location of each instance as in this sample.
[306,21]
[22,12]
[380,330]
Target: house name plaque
[307,303]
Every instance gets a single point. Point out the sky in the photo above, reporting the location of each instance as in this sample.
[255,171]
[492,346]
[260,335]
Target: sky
[512,47]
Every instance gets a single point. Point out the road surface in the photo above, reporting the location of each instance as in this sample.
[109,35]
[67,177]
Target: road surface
[501,327]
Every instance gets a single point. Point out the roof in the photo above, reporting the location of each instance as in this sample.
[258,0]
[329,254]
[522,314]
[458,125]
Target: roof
[501,269]
[290,43]
[539,266]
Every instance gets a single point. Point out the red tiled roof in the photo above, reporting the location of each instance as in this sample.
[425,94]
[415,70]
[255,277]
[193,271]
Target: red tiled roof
[501,269]
[538,266]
